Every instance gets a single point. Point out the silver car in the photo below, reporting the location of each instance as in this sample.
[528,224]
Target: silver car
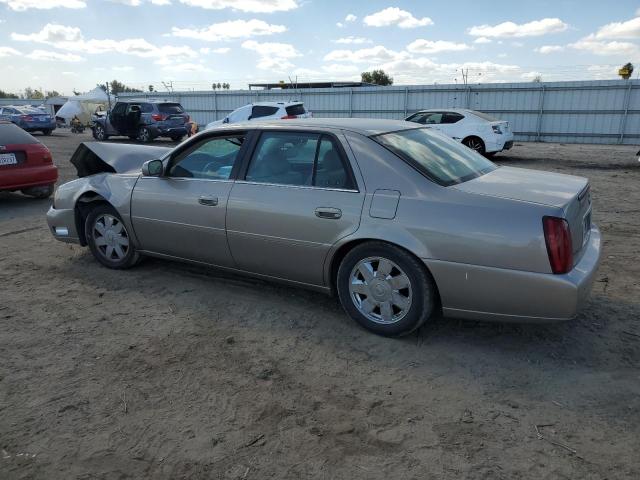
[398,220]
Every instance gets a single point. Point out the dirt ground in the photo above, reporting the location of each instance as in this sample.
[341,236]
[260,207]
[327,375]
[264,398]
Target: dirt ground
[169,371]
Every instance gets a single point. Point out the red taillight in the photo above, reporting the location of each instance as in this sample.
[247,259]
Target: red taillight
[158,117]
[558,239]
[289,117]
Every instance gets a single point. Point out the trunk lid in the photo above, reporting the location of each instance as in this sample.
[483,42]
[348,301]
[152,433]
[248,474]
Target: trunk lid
[566,192]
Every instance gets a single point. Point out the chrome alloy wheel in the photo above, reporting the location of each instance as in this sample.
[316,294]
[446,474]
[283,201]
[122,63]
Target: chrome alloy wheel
[380,290]
[110,237]
[475,144]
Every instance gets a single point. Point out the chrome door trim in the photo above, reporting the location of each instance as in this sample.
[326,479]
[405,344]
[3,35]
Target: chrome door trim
[307,187]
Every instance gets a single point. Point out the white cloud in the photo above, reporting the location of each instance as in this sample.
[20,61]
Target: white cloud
[429,46]
[340,25]
[545,49]
[340,69]
[377,54]
[137,3]
[352,40]
[207,50]
[590,44]
[423,70]
[350,18]
[186,67]
[531,75]
[8,51]
[482,40]
[253,6]
[123,68]
[54,56]
[229,30]
[511,29]
[618,30]
[395,16]
[72,40]
[273,56]
[22,5]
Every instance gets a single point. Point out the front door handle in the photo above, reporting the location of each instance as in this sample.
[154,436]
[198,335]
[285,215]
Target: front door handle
[208,201]
[328,212]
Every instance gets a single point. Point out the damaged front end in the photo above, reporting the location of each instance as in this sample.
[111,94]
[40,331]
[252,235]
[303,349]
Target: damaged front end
[91,158]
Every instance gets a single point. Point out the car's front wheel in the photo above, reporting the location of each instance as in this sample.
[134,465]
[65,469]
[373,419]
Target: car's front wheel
[46,131]
[43,191]
[385,289]
[99,133]
[144,135]
[109,239]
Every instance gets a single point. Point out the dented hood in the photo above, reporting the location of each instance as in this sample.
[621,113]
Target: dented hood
[95,157]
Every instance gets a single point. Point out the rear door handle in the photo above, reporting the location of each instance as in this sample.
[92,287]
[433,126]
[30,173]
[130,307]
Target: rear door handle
[208,201]
[328,212]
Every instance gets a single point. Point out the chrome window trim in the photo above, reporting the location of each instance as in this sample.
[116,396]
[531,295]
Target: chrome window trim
[305,187]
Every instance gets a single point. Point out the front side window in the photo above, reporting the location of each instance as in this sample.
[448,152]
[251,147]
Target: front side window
[433,118]
[213,159]
[441,159]
[297,158]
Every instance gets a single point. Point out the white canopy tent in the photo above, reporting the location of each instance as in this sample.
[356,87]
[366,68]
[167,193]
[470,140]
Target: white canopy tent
[83,106]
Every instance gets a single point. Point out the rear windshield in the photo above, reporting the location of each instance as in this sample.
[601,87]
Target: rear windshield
[484,116]
[12,134]
[297,109]
[441,159]
[170,108]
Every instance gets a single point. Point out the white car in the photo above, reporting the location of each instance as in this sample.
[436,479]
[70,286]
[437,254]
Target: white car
[478,131]
[264,111]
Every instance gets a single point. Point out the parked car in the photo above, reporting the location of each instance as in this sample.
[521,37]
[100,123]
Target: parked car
[478,131]
[30,119]
[399,220]
[141,120]
[265,111]
[25,163]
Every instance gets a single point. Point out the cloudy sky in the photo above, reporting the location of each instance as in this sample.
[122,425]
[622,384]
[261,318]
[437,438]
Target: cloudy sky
[67,44]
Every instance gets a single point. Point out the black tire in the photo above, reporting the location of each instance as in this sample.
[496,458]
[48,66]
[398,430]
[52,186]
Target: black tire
[490,154]
[133,137]
[40,192]
[423,296]
[97,215]
[475,143]
[177,138]
[144,135]
[99,133]
[46,131]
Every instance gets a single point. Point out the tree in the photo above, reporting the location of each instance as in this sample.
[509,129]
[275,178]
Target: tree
[151,88]
[377,77]
[4,94]
[626,71]
[219,86]
[213,86]
[537,79]
[33,93]
[116,87]
[52,93]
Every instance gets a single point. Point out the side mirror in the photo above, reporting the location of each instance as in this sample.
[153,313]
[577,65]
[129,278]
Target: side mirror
[226,120]
[152,168]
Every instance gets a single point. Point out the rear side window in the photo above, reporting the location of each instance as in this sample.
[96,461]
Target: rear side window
[263,111]
[451,117]
[297,109]
[12,134]
[146,108]
[296,158]
[170,108]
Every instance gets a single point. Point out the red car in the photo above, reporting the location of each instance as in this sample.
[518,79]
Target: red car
[25,163]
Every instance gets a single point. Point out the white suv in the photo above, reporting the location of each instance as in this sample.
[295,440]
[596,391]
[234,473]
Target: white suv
[264,111]
[478,131]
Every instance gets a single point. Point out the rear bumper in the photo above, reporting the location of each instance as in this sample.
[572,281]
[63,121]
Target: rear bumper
[37,126]
[497,143]
[18,178]
[167,130]
[62,225]
[495,294]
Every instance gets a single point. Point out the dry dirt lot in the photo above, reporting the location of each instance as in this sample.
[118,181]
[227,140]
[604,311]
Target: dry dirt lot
[169,371]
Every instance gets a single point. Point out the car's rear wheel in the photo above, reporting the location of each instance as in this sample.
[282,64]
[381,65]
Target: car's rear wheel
[177,138]
[99,133]
[108,238]
[475,143]
[144,135]
[43,191]
[46,131]
[385,289]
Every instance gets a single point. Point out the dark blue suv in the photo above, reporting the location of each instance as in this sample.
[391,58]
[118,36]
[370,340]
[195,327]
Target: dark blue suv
[142,120]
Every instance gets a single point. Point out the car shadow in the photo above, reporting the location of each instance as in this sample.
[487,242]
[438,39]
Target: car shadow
[17,205]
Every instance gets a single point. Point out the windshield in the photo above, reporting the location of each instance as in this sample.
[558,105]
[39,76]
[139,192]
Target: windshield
[441,159]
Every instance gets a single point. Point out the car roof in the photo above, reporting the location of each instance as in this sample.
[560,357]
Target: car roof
[145,100]
[444,109]
[365,126]
[274,104]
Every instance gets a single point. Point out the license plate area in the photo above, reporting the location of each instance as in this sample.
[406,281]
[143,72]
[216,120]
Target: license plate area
[8,159]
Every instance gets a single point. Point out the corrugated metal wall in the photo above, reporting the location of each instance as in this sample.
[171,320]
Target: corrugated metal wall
[570,112]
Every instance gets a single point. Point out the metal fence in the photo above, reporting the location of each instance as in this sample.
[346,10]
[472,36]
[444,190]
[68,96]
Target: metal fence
[605,112]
